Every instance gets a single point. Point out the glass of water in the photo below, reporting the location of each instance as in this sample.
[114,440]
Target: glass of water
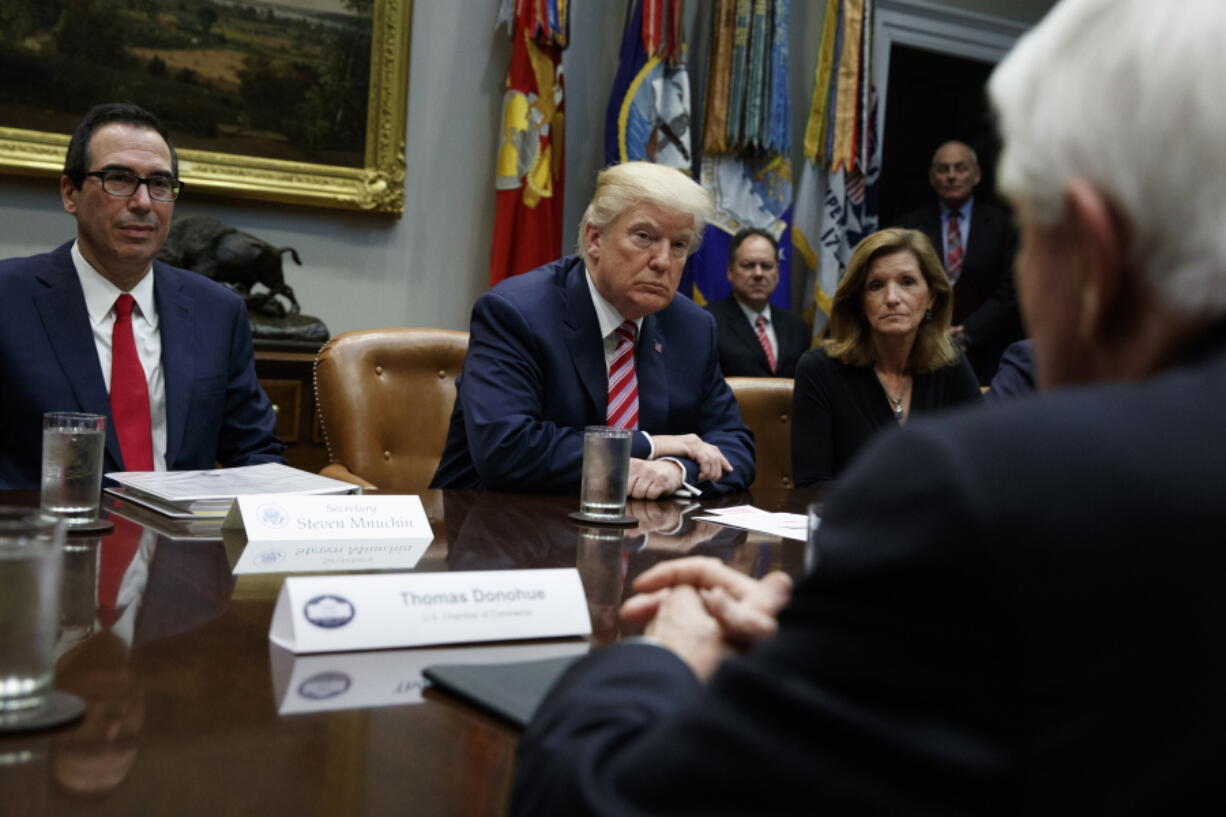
[31,571]
[606,468]
[72,465]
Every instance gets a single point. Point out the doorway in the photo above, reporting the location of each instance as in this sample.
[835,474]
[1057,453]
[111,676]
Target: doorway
[933,98]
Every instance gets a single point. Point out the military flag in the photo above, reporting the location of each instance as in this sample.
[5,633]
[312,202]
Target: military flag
[746,141]
[836,200]
[648,117]
[528,215]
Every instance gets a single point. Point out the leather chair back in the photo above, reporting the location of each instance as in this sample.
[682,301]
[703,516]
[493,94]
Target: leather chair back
[385,398]
[766,407]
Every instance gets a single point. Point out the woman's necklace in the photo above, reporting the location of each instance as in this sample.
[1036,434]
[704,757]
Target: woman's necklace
[895,402]
[896,405]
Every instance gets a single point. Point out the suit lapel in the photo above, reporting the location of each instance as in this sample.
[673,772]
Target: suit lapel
[932,227]
[177,327]
[583,338]
[978,243]
[65,319]
[652,372]
[786,337]
[741,328]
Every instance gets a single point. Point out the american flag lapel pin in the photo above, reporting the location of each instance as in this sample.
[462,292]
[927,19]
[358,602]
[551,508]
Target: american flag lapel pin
[659,349]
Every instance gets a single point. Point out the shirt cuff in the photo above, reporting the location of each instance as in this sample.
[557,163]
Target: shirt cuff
[651,446]
[686,490]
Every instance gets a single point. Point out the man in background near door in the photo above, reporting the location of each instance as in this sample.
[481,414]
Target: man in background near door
[977,241]
[754,339]
[98,326]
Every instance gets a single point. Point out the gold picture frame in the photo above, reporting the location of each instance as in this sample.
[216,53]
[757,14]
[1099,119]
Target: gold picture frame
[376,187]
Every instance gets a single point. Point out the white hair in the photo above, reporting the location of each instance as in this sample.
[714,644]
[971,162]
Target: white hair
[1127,95]
[969,149]
[620,187]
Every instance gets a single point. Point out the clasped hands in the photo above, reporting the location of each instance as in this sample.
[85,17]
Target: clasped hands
[652,479]
[704,610]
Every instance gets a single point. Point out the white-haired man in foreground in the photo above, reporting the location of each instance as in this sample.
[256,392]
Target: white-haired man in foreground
[1018,609]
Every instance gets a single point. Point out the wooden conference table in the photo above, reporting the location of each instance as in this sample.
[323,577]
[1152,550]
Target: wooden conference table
[185,698]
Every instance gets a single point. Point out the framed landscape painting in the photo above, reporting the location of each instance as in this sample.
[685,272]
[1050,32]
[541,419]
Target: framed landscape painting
[297,101]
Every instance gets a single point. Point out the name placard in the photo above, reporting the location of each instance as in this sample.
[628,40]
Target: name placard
[357,680]
[378,611]
[294,533]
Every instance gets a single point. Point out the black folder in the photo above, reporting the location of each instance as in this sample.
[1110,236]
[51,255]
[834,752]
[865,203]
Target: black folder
[509,691]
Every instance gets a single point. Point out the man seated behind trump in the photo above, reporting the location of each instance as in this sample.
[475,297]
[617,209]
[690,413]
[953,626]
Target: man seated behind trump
[600,339]
[1014,610]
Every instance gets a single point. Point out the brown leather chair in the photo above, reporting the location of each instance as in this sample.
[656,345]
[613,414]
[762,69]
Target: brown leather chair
[385,399]
[766,407]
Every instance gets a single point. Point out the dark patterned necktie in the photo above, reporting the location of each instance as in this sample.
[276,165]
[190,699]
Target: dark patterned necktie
[953,243]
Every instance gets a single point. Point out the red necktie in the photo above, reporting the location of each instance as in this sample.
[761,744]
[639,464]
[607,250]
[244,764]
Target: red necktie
[129,392]
[953,243]
[118,549]
[623,410]
[766,342]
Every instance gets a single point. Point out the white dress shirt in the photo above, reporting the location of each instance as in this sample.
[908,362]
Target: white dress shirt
[100,296]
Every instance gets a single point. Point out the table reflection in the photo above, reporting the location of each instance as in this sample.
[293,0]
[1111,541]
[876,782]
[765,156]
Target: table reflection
[172,657]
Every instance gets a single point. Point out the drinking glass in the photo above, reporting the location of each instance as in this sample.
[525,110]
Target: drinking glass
[72,465]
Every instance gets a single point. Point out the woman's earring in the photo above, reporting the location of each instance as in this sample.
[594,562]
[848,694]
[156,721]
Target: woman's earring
[927,314]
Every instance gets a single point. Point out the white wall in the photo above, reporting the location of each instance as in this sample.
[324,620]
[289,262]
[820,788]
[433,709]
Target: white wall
[426,268]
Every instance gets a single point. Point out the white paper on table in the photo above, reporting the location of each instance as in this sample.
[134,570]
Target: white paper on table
[747,517]
[227,483]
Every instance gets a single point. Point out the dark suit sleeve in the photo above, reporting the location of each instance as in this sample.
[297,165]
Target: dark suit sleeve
[879,695]
[512,446]
[999,313]
[248,429]
[812,427]
[720,425]
[1015,377]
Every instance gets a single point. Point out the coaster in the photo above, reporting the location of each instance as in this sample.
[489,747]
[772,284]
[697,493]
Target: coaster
[622,521]
[95,528]
[61,707]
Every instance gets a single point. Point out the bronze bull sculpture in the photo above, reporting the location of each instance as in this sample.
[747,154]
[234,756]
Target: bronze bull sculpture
[234,258]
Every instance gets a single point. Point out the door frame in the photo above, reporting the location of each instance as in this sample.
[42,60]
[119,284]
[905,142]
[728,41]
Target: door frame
[939,28]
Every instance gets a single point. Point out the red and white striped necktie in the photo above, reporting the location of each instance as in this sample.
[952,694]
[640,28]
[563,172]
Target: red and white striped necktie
[766,342]
[623,411]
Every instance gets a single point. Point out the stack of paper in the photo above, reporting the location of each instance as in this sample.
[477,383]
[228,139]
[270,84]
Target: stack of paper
[747,517]
[185,494]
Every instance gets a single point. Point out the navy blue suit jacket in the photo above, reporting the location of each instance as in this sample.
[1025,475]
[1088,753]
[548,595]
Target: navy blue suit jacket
[1016,610]
[215,409]
[535,376]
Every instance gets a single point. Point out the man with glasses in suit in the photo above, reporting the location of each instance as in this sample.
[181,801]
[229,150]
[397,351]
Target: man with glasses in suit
[99,326]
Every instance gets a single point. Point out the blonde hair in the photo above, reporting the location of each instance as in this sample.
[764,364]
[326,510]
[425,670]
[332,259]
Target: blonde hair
[620,187]
[851,336]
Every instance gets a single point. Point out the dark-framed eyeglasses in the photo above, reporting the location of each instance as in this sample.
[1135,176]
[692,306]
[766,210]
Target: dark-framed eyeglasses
[124,184]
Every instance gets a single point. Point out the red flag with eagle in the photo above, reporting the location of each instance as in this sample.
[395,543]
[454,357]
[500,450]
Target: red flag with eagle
[528,218]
